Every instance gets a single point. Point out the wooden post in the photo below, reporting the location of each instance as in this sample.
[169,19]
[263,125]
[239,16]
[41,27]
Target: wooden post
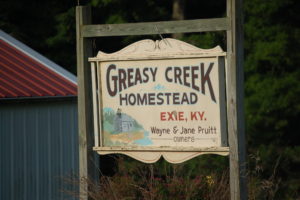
[85,125]
[235,104]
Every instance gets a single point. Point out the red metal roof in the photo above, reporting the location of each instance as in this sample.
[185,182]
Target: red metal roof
[23,76]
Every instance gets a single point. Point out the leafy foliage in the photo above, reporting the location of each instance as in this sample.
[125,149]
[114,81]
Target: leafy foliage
[272,87]
[40,24]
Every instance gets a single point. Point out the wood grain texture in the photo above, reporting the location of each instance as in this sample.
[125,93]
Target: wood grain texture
[222,100]
[95,103]
[84,50]
[235,96]
[152,28]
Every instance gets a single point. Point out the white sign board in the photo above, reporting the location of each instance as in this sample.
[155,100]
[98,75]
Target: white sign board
[160,98]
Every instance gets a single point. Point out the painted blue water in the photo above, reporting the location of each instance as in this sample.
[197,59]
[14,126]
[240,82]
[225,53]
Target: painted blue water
[145,141]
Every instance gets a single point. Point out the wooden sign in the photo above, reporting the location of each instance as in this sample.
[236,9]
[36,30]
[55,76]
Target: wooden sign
[160,98]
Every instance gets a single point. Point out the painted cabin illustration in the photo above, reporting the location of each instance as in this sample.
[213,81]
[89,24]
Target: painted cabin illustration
[123,123]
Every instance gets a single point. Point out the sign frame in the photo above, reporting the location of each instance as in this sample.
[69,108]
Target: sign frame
[232,24]
[166,49]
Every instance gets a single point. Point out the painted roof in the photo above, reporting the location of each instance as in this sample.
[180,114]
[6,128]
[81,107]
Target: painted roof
[26,73]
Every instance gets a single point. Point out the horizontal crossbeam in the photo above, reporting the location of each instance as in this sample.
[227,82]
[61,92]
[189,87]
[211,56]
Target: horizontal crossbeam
[152,28]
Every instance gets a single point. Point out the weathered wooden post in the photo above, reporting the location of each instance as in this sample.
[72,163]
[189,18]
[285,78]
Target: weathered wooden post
[235,104]
[85,114]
